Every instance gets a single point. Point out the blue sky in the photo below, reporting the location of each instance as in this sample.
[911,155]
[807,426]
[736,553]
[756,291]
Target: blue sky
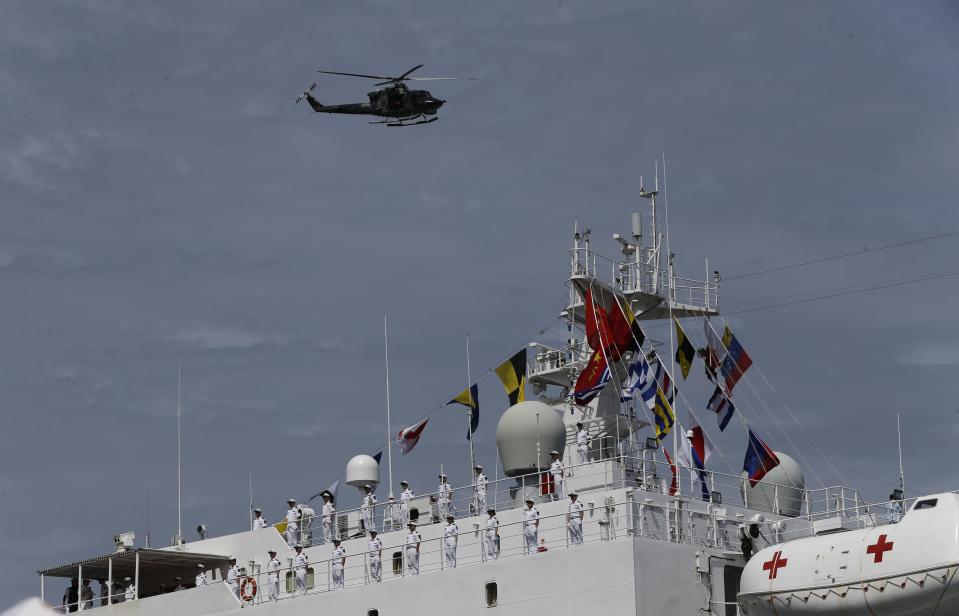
[164,200]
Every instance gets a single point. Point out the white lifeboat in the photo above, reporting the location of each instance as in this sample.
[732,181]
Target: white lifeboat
[903,569]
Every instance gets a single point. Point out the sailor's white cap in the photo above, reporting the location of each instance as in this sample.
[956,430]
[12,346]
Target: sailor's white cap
[271,551]
[231,557]
[298,545]
[442,475]
[573,493]
[478,467]
[199,565]
[530,500]
[411,523]
[404,483]
[367,486]
[257,511]
[291,500]
[554,453]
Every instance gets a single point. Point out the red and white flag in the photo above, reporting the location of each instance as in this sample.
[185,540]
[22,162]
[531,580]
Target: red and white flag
[409,437]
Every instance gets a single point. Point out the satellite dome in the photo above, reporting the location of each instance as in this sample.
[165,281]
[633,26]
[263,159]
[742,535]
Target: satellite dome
[362,470]
[780,491]
[518,432]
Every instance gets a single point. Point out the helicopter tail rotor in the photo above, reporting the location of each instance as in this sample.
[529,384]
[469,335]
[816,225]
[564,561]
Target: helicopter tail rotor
[306,92]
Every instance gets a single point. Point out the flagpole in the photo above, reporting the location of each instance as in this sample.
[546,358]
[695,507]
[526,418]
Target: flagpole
[469,428]
[672,325]
[251,498]
[902,476]
[389,430]
[179,525]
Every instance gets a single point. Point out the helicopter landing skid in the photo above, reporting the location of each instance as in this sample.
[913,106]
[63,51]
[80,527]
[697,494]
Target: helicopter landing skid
[410,121]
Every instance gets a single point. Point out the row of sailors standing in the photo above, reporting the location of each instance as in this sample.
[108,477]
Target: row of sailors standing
[299,517]
[414,539]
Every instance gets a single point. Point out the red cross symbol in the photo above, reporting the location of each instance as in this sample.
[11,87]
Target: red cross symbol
[879,548]
[774,565]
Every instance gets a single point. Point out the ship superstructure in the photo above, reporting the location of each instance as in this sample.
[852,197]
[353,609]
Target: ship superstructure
[657,540]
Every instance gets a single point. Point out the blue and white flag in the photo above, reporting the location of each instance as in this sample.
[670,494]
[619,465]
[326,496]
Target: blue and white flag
[720,404]
[640,379]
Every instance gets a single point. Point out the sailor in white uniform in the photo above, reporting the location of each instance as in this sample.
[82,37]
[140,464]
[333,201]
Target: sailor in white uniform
[300,562]
[575,522]
[413,540]
[556,470]
[375,557]
[273,577]
[451,536]
[292,523]
[582,443]
[131,591]
[231,576]
[444,494]
[367,508]
[531,527]
[200,579]
[338,564]
[258,521]
[328,513]
[405,497]
[306,524]
[479,490]
[492,535]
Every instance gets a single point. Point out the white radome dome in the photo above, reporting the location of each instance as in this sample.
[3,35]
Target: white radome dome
[780,491]
[518,432]
[362,470]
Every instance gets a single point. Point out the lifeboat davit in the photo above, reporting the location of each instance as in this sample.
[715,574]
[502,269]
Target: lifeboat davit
[903,569]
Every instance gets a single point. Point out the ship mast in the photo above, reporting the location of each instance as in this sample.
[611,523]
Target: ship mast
[389,430]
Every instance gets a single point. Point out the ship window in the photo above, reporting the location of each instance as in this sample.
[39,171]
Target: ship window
[398,563]
[373,612]
[731,577]
[492,594]
[929,503]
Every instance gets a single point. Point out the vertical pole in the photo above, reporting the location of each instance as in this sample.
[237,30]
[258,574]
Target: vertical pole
[110,581]
[672,325]
[469,428]
[42,593]
[136,577]
[539,472]
[902,476]
[389,430]
[146,542]
[251,498]
[79,588]
[179,525]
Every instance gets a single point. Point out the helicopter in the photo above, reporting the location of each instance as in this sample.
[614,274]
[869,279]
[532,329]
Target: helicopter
[396,103]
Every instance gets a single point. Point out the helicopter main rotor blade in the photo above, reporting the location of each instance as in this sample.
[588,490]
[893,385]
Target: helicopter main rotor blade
[357,75]
[406,74]
[441,78]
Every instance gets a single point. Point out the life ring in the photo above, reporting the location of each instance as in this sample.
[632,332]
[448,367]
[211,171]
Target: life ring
[248,589]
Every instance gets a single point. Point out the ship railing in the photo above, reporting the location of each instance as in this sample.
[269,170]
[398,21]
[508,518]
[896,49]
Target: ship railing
[465,502]
[602,522]
[547,359]
[811,504]
[641,276]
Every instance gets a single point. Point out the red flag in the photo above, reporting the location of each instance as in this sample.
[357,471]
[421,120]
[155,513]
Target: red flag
[615,332]
[672,468]
[597,327]
[409,437]
[592,378]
